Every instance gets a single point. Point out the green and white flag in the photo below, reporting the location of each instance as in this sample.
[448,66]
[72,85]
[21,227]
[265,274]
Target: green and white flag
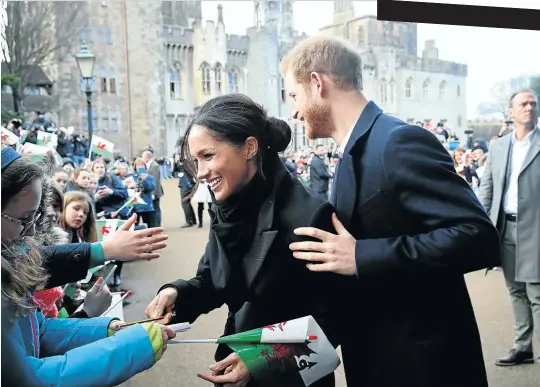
[38,153]
[102,147]
[8,137]
[107,228]
[295,352]
[47,139]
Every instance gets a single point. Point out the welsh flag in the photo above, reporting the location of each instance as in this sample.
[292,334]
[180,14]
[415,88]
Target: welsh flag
[37,153]
[106,228]
[102,147]
[132,201]
[43,138]
[295,352]
[8,137]
[48,139]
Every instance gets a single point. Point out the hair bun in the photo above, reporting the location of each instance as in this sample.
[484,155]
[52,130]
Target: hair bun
[279,134]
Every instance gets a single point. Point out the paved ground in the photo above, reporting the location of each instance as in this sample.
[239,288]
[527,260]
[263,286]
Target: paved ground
[180,365]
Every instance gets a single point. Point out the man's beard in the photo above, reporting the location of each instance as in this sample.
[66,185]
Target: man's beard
[317,121]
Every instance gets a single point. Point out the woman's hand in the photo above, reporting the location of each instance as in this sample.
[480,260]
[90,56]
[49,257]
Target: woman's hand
[161,304]
[134,245]
[95,303]
[235,372]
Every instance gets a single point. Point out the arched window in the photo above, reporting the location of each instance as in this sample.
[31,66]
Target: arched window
[205,78]
[233,82]
[175,82]
[442,90]
[408,88]
[103,79]
[112,81]
[425,89]
[392,90]
[458,90]
[217,78]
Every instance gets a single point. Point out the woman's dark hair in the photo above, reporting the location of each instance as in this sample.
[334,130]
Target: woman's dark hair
[17,176]
[233,118]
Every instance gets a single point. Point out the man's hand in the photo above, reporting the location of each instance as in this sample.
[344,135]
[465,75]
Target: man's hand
[235,372]
[335,252]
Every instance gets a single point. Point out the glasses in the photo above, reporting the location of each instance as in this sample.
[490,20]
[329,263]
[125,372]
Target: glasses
[26,225]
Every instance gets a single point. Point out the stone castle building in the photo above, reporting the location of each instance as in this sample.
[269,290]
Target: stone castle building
[156,63]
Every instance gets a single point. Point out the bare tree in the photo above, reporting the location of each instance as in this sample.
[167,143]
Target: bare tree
[500,93]
[36,33]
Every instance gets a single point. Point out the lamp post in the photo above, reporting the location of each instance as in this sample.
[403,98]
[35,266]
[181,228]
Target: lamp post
[86,60]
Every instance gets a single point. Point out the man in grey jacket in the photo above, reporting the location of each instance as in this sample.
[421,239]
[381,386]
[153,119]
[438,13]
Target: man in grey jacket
[510,193]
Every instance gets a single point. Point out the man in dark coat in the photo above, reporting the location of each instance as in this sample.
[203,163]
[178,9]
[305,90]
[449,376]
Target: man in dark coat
[319,176]
[409,228]
[153,170]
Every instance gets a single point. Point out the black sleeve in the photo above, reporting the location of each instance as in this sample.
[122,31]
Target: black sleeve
[66,263]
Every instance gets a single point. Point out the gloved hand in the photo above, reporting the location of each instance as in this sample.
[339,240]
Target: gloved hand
[96,303]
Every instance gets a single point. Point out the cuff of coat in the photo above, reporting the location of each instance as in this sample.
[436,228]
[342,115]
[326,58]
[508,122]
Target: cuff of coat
[156,339]
[375,256]
[97,257]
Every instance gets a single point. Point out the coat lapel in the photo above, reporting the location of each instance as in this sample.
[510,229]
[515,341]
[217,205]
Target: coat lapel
[502,168]
[347,188]
[533,151]
[265,234]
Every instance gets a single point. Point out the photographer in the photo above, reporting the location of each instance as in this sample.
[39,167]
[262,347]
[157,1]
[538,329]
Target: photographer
[80,148]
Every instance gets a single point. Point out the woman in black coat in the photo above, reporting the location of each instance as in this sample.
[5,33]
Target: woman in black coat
[256,205]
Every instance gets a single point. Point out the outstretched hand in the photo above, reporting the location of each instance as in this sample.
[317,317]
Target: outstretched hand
[134,245]
[335,252]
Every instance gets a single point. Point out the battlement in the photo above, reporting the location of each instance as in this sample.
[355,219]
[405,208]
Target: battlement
[178,35]
[237,42]
[432,65]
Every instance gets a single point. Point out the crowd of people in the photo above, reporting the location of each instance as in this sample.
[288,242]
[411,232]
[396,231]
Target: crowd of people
[392,212]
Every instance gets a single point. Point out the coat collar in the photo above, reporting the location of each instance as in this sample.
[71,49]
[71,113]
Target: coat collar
[345,194]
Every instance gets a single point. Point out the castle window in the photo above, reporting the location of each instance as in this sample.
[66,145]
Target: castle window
[114,121]
[109,36]
[459,121]
[175,82]
[233,82]
[458,90]
[408,88]
[103,79]
[94,119]
[104,119]
[217,78]
[425,89]
[442,90]
[205,79]
[392,91]
[383,91]
[101,34]
[112,81]
[283,91]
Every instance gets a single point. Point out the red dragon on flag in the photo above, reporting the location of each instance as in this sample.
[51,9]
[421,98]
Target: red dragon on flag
[105,230]
[101,146]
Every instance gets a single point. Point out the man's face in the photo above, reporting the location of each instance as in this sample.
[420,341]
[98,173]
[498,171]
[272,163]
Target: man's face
[524,110]
[320,151]
[310,107]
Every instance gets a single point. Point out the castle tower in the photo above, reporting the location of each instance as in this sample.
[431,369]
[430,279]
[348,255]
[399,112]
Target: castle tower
[343,11]
[278,13]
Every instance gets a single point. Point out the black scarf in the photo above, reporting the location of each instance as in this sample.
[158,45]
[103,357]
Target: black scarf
[236,216]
